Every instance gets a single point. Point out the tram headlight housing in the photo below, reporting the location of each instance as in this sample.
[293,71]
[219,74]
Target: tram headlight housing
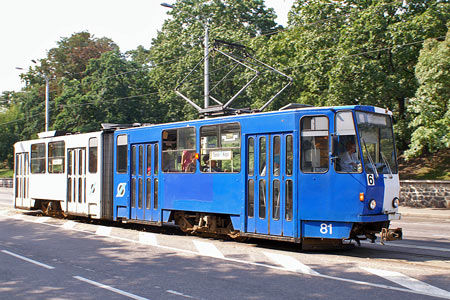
[372,204]
[395,202]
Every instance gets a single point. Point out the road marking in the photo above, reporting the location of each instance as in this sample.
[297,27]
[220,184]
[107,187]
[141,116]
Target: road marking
[408,282]
[256,264]
[42,219]
[208,249]
[180,294]
[103,230]
[110,288]
[69,225]
[290,263]
[412,247]
[148,238]
[28,260]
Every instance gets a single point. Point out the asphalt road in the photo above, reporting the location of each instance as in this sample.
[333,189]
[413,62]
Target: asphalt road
[51,258]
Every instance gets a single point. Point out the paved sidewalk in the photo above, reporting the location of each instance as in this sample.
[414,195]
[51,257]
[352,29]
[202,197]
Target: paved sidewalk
[434,213]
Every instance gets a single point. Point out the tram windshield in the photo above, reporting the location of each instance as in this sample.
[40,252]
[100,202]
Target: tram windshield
[377,143]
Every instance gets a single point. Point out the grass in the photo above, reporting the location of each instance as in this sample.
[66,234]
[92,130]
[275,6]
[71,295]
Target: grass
[6,173]
[435,166]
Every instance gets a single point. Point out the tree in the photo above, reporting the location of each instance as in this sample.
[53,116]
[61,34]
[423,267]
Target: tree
[357,52]
[114,90]
[178,48]
[431,107]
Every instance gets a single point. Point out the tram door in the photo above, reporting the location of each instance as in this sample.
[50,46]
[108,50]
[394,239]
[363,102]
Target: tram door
[144,182]
[76,181]
[21,185]
[270,192]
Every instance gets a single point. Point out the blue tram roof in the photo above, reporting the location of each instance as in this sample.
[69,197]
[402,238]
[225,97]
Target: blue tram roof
[222,119]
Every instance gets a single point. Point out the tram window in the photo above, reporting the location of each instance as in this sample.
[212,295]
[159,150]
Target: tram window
[289,155]
[148,189]
[93,155]
[314,144]
[345,151]
[155,193]
[69,189]
[69,163]
[262,156]
[141,160]
[276,155]
[133,160]
[251,156]
[262,199]
[221,148]
[38,158]
[276,200]
[178,150]
[122,153]
[149,160]
[251,198]
[56,157]
[289,200]
[155,167]
[140,195]
[133,192]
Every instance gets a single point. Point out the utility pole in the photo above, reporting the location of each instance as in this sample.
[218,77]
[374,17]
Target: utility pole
[206,56]
[47,97]
[47,113]
[206,77]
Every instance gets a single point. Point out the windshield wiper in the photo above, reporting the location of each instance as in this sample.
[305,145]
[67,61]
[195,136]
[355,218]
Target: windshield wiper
[370,158]
[387,165]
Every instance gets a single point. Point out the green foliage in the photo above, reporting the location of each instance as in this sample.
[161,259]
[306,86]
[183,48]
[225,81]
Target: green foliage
[8,135]
[431,107]
[6,173]
[337,52]
[356,52]
[114,90]
[178,48]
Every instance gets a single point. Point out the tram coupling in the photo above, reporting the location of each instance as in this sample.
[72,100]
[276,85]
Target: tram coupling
[390,234]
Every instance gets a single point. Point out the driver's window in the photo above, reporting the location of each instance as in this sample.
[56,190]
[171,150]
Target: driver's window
[345,146]
[314,144]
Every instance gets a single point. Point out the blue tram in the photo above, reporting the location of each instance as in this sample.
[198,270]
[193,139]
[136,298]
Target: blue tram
[309,175]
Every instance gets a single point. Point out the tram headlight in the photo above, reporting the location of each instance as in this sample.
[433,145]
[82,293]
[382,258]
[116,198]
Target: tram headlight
[395,202]
[372,204]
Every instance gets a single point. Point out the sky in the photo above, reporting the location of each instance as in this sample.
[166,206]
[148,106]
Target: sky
[29,28]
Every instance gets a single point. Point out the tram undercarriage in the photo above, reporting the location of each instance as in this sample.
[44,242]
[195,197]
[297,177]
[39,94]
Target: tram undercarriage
[203,224]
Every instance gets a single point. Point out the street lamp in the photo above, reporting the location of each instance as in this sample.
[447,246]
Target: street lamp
[47,113]
[206,55]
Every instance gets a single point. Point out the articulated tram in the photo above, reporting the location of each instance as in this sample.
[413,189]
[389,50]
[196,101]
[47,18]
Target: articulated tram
[308,175]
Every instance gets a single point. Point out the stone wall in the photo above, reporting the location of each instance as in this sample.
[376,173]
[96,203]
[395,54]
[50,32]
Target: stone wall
[425,193]
[6,182]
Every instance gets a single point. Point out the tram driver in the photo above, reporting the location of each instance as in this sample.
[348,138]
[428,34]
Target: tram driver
[349,160]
